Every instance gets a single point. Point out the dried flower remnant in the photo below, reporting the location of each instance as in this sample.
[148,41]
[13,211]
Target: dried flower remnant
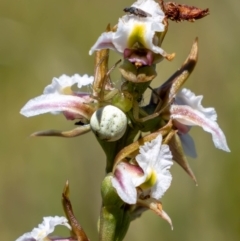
[181,12]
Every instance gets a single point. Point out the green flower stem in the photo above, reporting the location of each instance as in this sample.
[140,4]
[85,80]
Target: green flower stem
[111,149]
[114,223]
[114,217]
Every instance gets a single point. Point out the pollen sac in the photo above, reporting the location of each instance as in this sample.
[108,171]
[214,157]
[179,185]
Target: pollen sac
[109,123]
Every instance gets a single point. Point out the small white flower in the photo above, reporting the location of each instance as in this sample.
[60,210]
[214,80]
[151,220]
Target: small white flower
[152,175]
[44,229]
[59,97]
[138,38]
[188,111]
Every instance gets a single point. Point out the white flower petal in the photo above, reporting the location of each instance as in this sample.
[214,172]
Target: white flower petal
[105,41]
[187,115]
[163,174]
[151,7]
[58,84]
[26,237]
[55,103]
[186,97]
[156,159]
[149,153]
[83,80]
[152,174]
[46,227]
[124,185]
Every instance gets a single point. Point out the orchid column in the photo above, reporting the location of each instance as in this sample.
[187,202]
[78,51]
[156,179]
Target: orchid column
[140,141]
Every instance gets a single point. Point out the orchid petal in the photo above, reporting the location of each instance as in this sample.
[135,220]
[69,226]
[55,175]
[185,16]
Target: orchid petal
[105,41]
[58,84]
[56,103]
[150,7]
[187,115]
[156,159]
[187,97]
[46,227]
[125,181]
[83,80]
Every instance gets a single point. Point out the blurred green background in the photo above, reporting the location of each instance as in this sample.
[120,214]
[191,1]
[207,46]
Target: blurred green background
[40,39]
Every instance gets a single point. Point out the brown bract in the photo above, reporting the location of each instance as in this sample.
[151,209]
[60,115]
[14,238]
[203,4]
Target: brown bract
[77,231]
[180,12]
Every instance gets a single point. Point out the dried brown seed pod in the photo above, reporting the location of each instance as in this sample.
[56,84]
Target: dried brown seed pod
[180,12]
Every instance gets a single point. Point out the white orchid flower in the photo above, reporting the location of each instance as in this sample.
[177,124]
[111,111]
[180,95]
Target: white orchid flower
[138,38]
[151,176]
[44,229]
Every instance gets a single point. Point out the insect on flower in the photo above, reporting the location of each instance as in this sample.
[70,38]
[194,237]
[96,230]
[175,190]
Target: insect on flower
[137,12]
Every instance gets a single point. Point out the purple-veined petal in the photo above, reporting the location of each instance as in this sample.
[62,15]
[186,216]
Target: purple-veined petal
[105,41]
[187,97]
[57,103]
[126,178]
[189,116]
